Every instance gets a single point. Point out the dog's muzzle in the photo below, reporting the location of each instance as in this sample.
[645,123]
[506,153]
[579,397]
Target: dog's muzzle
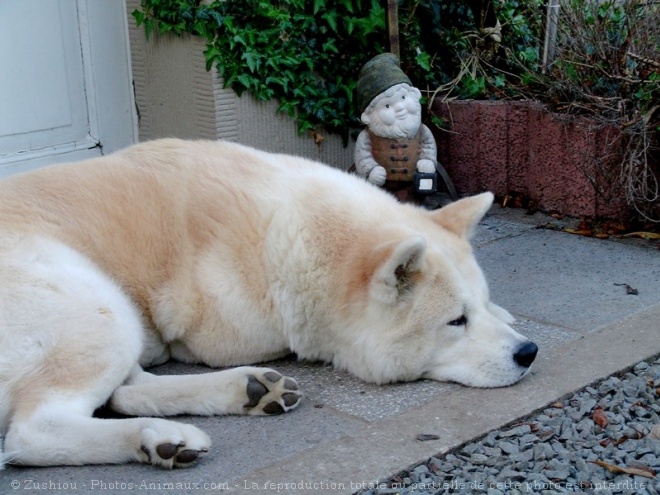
[526,354]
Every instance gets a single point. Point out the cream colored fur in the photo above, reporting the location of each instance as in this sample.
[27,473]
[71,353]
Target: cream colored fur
[215,253]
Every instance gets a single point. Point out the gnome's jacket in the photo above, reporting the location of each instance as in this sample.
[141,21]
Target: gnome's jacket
[398,157]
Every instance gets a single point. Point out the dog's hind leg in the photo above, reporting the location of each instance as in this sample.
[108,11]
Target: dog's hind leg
[85,358]
[243,390]
[68,338]
[51,421]
[61,431]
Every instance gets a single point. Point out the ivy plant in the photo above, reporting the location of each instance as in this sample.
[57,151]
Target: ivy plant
[305,55]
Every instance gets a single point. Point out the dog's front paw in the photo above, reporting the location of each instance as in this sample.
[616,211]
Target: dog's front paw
[270,393]
[169,444]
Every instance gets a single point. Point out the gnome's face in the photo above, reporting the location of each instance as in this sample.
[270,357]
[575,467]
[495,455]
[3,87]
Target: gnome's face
[395,113]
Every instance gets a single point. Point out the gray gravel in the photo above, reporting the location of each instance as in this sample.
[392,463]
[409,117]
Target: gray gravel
[556,450]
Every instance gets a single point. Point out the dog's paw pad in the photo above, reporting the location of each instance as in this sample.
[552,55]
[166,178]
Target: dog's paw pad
[168,444]
[290,384]
[290,399]
[255,391]
[167,450]
[188,456]
[273,408]
[272,376]
[168,455]
[271,393]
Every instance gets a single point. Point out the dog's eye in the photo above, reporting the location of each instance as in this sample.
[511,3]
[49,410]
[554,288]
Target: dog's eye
[458,322]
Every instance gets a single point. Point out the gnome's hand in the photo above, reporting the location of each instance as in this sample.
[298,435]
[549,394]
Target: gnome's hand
[378,175]
[426,166]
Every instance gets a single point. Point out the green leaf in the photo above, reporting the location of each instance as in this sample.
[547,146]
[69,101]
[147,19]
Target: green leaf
[211,54]
[245,80]
[217,17]
[499,81]
[149,26]
[251,59]
[139,17]
[347,4]
[423,59]
[329,46]
[331,18]
[187,12]
[350,25]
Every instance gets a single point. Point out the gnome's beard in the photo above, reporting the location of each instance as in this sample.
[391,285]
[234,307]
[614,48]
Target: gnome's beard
[401,128]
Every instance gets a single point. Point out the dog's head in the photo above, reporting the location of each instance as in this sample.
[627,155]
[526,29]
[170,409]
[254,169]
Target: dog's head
[424,310]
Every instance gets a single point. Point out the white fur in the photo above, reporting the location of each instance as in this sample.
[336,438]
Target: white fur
[215,253]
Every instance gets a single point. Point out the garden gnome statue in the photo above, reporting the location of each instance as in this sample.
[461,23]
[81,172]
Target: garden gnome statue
[396,150]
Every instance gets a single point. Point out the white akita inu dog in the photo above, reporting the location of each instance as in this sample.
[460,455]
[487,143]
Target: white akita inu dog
[210,252]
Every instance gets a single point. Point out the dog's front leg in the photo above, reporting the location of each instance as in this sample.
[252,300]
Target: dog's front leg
[243,390]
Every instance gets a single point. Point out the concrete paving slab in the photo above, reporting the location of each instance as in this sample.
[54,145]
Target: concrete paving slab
[386,447]
[543,335]
[493,228]
[569,280]
[559,286]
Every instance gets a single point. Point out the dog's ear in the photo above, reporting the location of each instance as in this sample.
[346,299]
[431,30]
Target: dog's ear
[400,265]
[462,216]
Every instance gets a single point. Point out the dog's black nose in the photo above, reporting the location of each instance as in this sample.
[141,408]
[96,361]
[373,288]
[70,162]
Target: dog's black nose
[526,354]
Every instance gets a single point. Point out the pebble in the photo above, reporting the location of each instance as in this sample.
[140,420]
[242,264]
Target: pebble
[530,438]
[492,451]
[509,447]
[478,459]
[518,431]
[554,451]
[524,456]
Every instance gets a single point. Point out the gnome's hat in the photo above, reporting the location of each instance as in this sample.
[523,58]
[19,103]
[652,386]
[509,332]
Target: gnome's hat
[378,74]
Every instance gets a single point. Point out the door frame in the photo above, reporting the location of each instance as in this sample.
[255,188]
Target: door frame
[108,27]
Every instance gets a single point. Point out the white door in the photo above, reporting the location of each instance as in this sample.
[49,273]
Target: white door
[65,81]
